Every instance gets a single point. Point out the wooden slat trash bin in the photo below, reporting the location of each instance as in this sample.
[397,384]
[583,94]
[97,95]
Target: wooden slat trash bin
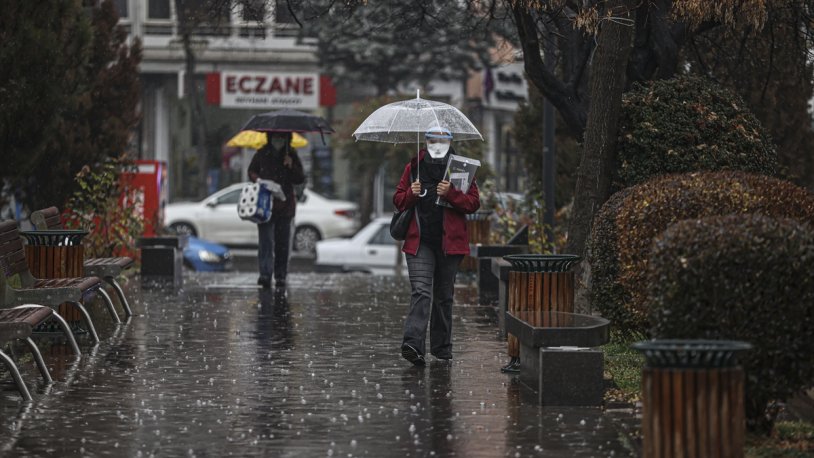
[478,226]
[692,398]
[56,254]
[539,283]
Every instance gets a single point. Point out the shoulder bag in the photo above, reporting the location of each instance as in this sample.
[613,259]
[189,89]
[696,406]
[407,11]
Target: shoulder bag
[400,223]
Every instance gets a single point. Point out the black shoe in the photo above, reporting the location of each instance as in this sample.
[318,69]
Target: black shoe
[265,282]
[411,354]
[280,283]
[513,366]
[443,356]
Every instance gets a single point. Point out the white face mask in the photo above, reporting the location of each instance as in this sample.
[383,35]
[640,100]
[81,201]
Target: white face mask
[277,143]
[437,150]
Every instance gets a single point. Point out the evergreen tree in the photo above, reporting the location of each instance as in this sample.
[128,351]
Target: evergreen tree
[42,62]
[76,98]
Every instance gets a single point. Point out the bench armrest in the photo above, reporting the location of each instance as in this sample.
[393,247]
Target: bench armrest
[47,296]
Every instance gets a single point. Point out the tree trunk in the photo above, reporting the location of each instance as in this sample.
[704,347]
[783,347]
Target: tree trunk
[607,83]
[366,200]
[197,121]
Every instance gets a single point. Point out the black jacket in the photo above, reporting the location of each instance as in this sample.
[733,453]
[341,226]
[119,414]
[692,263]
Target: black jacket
[268,165]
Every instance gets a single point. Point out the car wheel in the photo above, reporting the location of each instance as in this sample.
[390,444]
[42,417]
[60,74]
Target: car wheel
[305,239]
[183,229]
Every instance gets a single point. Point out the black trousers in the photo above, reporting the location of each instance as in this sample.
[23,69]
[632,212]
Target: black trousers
[274,245]
[432,281]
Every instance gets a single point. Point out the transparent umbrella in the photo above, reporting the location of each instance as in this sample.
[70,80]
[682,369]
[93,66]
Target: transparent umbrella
[405,121]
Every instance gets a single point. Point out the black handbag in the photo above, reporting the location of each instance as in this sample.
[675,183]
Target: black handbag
[400,223]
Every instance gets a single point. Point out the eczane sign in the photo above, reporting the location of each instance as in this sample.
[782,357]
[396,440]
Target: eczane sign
[263,90]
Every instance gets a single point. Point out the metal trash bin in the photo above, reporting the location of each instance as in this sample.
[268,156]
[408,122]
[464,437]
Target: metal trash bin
[692,398]
[540,283]
[162,260]
[56,254]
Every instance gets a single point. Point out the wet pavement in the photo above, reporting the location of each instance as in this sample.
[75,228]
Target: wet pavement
[225,369]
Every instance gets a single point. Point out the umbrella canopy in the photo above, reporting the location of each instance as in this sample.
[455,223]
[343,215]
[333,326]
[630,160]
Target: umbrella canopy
[287,120]
[403,122]
[256,140]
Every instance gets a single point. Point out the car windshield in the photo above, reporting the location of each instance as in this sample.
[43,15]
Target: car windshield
[382,236]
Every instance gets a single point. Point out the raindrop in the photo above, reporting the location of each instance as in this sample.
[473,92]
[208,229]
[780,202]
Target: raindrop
[582,422]
[449,437]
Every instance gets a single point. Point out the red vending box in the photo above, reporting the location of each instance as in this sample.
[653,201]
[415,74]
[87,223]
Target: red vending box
[150,181]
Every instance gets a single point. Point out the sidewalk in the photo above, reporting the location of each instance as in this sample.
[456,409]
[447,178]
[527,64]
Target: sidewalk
[225,369]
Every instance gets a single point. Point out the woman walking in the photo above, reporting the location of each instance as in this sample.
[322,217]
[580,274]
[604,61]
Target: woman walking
[436,243]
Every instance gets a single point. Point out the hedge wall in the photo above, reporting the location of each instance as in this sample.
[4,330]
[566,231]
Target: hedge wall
[624,229]
[741,277]
[688,124]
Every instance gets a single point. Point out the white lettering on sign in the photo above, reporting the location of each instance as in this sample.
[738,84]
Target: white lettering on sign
[269,90]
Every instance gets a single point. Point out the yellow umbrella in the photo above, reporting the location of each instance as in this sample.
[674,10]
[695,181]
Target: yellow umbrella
[256,140]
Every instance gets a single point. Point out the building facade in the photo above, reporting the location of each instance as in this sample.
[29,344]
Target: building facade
[246,42]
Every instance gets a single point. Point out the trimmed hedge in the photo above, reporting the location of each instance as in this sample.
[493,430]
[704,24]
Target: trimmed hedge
[624,228]
[741,277]
[688,124]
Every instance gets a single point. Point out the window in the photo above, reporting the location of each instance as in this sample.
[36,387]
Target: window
[382,237]
[281,13]
[121,8]
[231,198]
[208,17]
[254,10]
[158,9]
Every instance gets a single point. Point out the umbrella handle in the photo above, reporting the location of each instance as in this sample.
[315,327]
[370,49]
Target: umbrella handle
[423,193]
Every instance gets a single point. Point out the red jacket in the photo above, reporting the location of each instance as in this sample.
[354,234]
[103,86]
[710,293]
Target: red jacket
[456,237]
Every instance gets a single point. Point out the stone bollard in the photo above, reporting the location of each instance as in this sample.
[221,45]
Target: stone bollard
[540,283]
[692,398]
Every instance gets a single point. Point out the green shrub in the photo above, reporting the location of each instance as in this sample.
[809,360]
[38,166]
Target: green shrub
[741,277]
[688,124]
[109,209]
[626,225]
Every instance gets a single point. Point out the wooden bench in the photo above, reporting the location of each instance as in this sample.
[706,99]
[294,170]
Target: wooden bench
[18,323]
[108,269]
[18,286]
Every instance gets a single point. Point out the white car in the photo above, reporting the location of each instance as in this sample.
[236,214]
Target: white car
[215,218]
[371,250]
